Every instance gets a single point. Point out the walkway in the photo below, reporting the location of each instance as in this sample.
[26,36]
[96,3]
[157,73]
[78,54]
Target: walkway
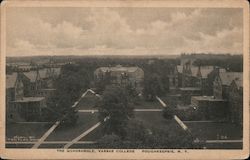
[84,134]
[177,119]
[42,139]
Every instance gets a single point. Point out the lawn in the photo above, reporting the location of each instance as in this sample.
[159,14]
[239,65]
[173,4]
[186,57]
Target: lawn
[151,120]
[142,104]
[52,145]
[213,130]
[88,102]
[25,132]
[18,145]
[94,135]
[224,146]
[155,120]
[85,121]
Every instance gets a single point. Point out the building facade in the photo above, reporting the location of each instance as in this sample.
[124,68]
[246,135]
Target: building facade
[120,75]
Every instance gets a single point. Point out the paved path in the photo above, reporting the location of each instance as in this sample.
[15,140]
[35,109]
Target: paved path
[162,103]
[87,110]
[84,133]
[83,95]
[224,141]
[183,126]
[42,139]
[97,95]
[177,119]
[148,110]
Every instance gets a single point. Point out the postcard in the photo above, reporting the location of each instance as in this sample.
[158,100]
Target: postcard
[124,79]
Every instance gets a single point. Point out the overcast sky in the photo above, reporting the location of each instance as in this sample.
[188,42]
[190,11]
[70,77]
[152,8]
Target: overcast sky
[89,31]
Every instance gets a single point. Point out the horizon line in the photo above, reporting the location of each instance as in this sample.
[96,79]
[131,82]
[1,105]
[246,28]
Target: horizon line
[128,55]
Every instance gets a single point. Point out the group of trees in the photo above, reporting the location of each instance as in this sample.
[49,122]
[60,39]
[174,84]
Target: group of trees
[122,130]
[233,63]
[156,81]
[73,80]
[115,104]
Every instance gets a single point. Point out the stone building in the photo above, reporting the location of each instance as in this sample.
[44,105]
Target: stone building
[173,79]
[235,101]
[199,77]
[18,106]
[222,82]
[120,75]
[226,102]
[14,91]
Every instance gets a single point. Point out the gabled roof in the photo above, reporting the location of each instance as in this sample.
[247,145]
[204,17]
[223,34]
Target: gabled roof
[205,71]
[228,77]
[194,71]
[42,73]
[180,68]
[56,71]
[239,82]
[31,75]
[11,80]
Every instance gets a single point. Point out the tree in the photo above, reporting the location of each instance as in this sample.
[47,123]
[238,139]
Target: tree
[153,86]
[72,81]
[115,103]
[168,112]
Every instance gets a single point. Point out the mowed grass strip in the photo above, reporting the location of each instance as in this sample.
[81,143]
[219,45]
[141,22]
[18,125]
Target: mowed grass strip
[95,135]
[84,122]
[224,145]
[26,130]
[18,145]
[214,130]
[88,102]
[155,120]
[51,145]
[142,104]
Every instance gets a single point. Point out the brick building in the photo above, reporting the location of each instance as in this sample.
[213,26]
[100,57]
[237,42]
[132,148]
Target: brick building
[26,93]
[235,101]
[227,100]
[120,75]
[19,107]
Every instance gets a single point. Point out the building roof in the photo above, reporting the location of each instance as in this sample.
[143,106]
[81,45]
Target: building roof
[228,77]
[11,80]
[239,82]
[118,68]
[194,71]
[205,71]
[30,99]
[56,71]
[45,73]
[179,68]
[42,73]
[25,67]
[31,75]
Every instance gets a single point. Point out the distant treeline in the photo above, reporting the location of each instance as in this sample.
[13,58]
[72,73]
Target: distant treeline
[232,63]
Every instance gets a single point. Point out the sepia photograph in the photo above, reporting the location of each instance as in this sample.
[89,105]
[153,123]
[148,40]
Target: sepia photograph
[124,79]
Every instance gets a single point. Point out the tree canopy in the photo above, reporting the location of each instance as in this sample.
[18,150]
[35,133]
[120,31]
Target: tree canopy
[115,103]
